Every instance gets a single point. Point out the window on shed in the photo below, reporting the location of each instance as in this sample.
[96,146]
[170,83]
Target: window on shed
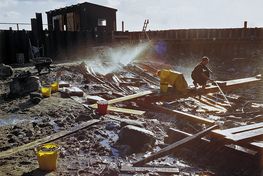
[102,22]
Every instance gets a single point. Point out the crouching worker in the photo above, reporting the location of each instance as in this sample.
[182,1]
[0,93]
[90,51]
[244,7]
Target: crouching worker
[201,73]
[173,78]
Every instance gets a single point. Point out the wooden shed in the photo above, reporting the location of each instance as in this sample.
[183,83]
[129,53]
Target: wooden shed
[82,17]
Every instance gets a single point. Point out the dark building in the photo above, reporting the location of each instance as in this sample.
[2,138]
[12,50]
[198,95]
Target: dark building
[82,17]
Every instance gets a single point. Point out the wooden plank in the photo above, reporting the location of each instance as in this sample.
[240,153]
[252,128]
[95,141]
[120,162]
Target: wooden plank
[230,85]
[183,115]
[129,97]
[163,170]
[247,135]
[216,103]
[125,110]
[122,110]
[242,81]
[47,139]
[193,117]
[238,129]
[257,145]
[210,107]
[125,98]
[169,149]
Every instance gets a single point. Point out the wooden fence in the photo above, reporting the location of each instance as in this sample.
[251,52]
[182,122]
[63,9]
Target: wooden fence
[237,42]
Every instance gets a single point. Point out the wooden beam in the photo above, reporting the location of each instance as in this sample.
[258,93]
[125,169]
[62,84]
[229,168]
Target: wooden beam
[257,145]
[163,170]
[247,135]
[47,139]
[125,98]
[230,85]
[169,149]
[210,107]
[122,110]
[238,129]
[129,97]
[184,115]
[125,110]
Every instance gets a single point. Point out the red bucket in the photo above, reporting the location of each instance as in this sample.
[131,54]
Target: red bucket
[102,107]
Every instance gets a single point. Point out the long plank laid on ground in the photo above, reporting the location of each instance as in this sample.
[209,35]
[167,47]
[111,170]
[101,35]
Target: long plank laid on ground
[231,85]
[257,145]
[164,170]
[247,135]
[125,110]
[180,114]
[125,98]
[122,110]
[169,149]
[47,139]
[230,131]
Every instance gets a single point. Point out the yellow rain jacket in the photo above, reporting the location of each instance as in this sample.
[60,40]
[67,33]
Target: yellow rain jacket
[173,78]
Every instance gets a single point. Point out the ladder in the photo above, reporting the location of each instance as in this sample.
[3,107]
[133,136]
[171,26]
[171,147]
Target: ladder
[146,22]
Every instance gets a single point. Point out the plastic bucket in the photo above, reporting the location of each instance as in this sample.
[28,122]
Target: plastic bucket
[54,87]
[46,91]
[47,156]
[163,87]
[102,107]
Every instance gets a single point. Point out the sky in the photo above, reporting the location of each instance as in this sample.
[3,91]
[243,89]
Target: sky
[162,14]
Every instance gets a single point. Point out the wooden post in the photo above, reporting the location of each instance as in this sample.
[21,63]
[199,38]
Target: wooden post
[122,26]
[245,24]
[39,25]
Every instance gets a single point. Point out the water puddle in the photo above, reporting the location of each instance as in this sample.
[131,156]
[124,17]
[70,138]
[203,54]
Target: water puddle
[15,119]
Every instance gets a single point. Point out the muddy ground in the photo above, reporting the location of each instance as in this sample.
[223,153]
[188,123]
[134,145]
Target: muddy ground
[95,150]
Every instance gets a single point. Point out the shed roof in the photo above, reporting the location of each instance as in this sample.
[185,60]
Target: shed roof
[80,4]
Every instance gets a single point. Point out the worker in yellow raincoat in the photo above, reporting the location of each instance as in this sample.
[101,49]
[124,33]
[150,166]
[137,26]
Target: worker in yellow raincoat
[173,78]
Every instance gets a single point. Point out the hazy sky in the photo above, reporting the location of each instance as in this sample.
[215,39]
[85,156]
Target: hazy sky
[163,14]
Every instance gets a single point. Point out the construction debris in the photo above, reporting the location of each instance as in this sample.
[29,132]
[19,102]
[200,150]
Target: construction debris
[138,127]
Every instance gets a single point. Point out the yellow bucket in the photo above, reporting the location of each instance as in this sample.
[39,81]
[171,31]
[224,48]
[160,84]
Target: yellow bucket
[54,87]
[163,87]
[46,91]
[47,155]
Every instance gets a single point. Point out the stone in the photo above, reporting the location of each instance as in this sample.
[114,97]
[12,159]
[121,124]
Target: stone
[83,117]
[5,71]
[137,123]
[112,125]
[136,137]
[36,100]
[74,91]
[35,94]
[24,85]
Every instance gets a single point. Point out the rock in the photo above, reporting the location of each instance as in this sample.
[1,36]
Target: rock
[112,125]
[136,137]
[35,95]
[36,100]
[83,117]
[24,85]
[137,123]
[5,71]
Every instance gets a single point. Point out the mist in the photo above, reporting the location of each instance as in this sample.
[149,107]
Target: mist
[110,59]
